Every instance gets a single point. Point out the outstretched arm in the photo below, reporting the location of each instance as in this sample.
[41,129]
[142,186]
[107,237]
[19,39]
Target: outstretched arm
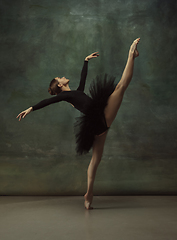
[60,97]
[84,71]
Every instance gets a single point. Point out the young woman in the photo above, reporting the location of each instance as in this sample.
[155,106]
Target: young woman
[98,111]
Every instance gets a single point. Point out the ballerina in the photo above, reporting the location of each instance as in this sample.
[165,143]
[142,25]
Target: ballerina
[98,110]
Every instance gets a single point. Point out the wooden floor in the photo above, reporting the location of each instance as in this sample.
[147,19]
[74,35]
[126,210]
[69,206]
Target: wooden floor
[64,218]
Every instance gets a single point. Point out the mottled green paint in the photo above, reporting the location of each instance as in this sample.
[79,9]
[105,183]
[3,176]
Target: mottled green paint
[42,39]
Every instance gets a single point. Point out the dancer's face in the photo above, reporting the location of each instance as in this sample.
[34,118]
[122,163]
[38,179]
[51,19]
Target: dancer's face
[62,81]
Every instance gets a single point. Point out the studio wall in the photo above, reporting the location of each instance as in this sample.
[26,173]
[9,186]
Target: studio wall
[43,39]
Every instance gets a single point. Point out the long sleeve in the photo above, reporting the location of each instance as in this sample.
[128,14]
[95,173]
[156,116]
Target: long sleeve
[83,77]
[60,97]
[73,97]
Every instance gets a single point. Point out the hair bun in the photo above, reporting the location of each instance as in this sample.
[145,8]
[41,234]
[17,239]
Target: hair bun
[54,89]
[50,91]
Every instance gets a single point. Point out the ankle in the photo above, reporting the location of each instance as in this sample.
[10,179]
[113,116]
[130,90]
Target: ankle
[88,195]
[131,55]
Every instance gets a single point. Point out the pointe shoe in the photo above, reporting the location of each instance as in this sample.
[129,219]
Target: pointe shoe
[88,205]
[133,48]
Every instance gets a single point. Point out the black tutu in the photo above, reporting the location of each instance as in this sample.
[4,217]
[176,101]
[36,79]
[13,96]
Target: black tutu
[93,122]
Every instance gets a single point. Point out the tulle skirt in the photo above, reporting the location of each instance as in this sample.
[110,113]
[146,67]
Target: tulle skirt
[93,122]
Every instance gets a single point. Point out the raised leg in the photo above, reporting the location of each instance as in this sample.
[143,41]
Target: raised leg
[116,97]
[98,147]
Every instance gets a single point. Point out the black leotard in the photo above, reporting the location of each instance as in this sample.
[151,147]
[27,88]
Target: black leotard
[92,120]
[76,97]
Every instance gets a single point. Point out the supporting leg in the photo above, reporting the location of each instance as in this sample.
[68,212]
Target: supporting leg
[111,109]
[98,147]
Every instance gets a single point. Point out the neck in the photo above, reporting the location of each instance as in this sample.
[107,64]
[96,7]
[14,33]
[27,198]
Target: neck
[66,88]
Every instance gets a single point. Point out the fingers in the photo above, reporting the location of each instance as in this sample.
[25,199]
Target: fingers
[19,116]
[95,54]
[25,114]
[22,114]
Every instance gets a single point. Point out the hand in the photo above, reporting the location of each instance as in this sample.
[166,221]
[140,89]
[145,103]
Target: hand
[93,55]
[24,113]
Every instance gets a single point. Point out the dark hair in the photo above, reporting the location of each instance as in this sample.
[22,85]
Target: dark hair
[54,88]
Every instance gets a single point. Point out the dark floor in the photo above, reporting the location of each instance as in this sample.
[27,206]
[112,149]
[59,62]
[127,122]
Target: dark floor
[120,217]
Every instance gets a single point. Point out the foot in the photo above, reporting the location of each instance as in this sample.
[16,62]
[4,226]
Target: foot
[88,201]
[133,48]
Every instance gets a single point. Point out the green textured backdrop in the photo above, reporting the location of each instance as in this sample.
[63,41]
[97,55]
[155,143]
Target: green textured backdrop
[42,39]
